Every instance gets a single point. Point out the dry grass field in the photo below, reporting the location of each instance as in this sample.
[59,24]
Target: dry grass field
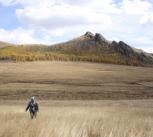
[74,80]
[77,120]
[70,98]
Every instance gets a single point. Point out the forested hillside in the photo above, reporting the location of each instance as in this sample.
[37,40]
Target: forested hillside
[88,47]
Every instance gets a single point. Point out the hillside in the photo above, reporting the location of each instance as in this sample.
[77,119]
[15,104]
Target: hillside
[88,47]
[105,51]
[5,44]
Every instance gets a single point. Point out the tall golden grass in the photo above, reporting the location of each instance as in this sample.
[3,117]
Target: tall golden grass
[76,121]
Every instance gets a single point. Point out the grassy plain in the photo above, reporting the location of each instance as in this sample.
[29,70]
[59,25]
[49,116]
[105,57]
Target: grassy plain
[76,100]
[74,119]
[74,80]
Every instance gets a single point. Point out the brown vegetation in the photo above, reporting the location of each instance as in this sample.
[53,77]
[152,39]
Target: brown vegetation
[88,47]
[74,80]
[77,121]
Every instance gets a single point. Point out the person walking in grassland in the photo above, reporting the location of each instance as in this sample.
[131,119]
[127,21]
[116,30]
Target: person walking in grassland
[32,107]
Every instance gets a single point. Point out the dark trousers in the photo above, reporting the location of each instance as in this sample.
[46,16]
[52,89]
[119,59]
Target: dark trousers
[33,114]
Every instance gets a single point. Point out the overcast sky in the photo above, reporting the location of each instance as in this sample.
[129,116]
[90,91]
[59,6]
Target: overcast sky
[53,21]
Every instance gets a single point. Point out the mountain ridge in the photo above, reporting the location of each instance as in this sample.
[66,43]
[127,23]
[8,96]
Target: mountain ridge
[98,45]
[88,47]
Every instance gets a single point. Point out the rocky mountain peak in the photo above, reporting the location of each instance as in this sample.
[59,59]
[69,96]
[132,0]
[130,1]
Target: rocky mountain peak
[89,34]
[99,38]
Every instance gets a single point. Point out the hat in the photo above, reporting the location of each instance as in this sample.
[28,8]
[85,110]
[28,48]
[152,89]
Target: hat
[33,98]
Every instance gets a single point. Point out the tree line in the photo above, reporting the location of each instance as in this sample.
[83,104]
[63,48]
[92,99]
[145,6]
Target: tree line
[51,56]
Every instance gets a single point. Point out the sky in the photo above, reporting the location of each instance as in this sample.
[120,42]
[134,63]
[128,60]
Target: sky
[55,21]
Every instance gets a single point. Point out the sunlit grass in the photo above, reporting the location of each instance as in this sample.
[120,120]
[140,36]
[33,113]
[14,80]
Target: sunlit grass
[77,122]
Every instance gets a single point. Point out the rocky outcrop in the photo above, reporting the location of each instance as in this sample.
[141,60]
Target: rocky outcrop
[88,47]
[89,34]
[99,38]
[123,48]
[97,44]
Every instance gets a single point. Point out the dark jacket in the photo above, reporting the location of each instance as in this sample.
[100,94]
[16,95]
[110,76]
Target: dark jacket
[32,107]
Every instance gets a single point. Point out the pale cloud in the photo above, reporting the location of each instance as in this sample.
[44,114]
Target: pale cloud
[148,49]
[52,17]
[18,35]
[136,7]
[148,18]
[127,20]
[143,40]
[8,2]
[30,36]
[62,15]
